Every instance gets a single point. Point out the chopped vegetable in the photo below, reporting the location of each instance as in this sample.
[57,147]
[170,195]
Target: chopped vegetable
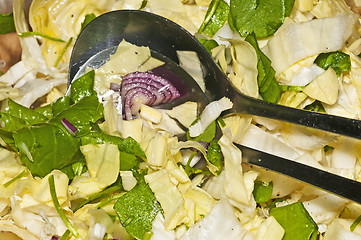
[296,221]
[216,16]
[338,61]
[263,17]
[262,191]
[7,23]
[137,209]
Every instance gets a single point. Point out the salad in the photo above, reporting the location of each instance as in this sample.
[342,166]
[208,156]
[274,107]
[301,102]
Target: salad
[100,160]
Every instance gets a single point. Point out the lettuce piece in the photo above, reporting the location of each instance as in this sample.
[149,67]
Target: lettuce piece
[269,88]
[215,18]
[17,116]
[207,135]
[262,191]
[102,162]
[338,61]
[7,23]
[45,147]
[210,113]
[296,222]
[87,19]
[263,17]
[214,155]
[137,209]
[82,87]
[320,38]
[220,222]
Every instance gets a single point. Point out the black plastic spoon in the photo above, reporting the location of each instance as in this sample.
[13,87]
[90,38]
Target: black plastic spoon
[100,38]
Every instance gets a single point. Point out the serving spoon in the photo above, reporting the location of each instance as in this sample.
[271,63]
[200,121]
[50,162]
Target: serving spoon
[164,38]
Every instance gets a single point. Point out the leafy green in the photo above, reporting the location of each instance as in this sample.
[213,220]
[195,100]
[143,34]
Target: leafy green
[81,114]
[143,5]
[46,111]
[316,106]
[59,209]
[214,155]
[207,135]
[215,18]
[355,223]
[269,88]
[296,221]
[7,137]
[82,87]
[128,161]
[137,209]
[17,116]
[45,147]
[131,146]
[60,105]
[263,17]
[208,44]
[88,18]
[262,192]
[338,61]
[7,23]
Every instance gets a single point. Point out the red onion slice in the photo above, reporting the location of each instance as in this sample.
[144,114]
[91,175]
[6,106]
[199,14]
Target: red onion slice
[145,88]
[70,127]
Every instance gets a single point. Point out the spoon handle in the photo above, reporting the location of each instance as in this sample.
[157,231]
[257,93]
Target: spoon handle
[330,123]
[329,182]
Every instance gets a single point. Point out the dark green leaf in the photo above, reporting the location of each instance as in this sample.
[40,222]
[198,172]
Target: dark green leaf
[262,192]
[128,161]
[316,106]
[215,18]
[338,61]
[207,135]
[137,209]
[328,148]
[82,87]
[214,155]
[80,114]
[100,138]
[60,105]
[7,23]
[45,147]
[143,5]
[16,110]
[12,123]
[88,18]
[263,17]
[269,88]
[296,221]
[7,137]
[131,146]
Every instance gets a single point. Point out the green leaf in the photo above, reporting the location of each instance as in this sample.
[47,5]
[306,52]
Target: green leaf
[137,209]
[22,116]
[215,18]
[130,150]
[128,161]
[208,134]
[45,147]
[269,88]
[81,114]
[262,192]
[46,111]
[214,155]
[131,146]
[60,105]
[296,221]
[7,23]
[7,137]
[263,17]
[208,44]
[338,61]
[316,106]
[143,5]
[82,87]
[88,18]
